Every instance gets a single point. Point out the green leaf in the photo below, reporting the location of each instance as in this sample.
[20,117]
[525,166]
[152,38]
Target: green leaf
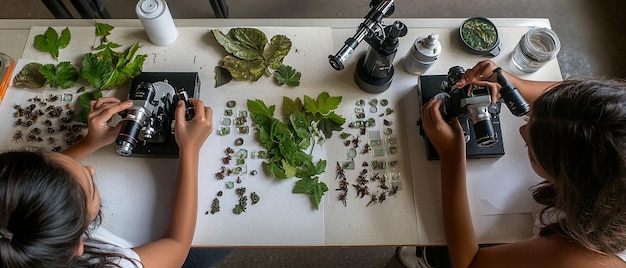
[258,107]
[84,100]
[50,41]
[290,106]
[222,76]
[290,171]
[63,75]
[108,69]
[96,71]
[277,50]
[326,103]
[103,30]
[311,187]
[327,126]
[30,77]
[287,75]
[249,37]
[244,69]
[300,125]
[242,46]
[64,40]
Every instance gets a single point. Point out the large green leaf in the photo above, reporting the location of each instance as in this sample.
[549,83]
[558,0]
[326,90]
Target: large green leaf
[277,50]
[244,69]
[242,47]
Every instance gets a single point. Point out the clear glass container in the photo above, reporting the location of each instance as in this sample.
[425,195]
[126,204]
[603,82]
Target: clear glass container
[536,48]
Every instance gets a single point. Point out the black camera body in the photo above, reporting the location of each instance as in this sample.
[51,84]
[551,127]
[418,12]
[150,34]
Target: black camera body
[479,117]
[147,127]
[474,106]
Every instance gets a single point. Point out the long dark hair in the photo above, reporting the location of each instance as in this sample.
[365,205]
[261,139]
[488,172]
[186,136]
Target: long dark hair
[44,209]
[577,132]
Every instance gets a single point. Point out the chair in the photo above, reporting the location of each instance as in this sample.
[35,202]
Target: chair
[88,9]
[94,9]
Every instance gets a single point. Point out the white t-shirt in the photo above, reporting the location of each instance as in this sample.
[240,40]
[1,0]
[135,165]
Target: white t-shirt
[104,240]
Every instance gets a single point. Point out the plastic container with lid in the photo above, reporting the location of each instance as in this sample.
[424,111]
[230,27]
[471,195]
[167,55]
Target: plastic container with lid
[157,20]
[422,55]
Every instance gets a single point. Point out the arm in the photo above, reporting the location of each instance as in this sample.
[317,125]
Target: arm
[482,75]
[172,249]
[447,137]
[100,133]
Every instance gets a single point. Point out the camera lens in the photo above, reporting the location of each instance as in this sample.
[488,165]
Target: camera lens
[127,138]
[483,127]
[485,133]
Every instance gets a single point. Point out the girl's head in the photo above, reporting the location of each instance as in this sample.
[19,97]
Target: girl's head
[576,136]
[47,201]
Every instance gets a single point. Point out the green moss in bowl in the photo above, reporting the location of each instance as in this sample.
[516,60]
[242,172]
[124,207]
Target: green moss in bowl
[479,34]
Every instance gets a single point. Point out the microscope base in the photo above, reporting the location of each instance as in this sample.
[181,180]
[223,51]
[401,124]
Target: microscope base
[371,84]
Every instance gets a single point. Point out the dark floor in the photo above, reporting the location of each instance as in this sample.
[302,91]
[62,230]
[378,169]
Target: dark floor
[591,33]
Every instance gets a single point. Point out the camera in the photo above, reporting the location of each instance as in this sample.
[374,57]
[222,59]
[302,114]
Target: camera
[147,127]
[475,104]
[479,118]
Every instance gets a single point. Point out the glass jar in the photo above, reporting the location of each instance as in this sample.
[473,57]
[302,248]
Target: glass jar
[536,48]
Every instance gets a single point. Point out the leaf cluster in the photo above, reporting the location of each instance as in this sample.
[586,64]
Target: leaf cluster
[36,75]
[51,42]
[108,68]
[251,55]
[286,142]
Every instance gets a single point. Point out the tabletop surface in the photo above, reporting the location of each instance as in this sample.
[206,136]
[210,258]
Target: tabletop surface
[136,191]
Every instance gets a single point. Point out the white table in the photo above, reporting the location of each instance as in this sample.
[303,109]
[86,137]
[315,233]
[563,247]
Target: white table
[136,191]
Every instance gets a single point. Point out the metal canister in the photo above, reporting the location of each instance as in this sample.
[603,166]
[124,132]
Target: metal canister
[422,55]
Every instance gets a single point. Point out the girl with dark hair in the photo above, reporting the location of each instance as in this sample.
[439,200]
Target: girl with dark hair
[576,138]
[50,206]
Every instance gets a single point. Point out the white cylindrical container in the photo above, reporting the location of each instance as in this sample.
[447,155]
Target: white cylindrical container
[422,54]
[157,20]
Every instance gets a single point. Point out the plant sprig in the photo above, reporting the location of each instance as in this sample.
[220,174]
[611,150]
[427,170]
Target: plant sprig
[307,123]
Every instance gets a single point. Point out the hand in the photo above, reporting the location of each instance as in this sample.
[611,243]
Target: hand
[190,135]
[482,75]
[102,110]
[447,137]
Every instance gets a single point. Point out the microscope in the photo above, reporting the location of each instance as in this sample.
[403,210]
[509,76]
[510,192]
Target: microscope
[148,126]
[374,70]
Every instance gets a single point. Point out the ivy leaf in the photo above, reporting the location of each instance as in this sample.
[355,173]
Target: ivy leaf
[287,75]
[63,75]
[30,77]
[51,42]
